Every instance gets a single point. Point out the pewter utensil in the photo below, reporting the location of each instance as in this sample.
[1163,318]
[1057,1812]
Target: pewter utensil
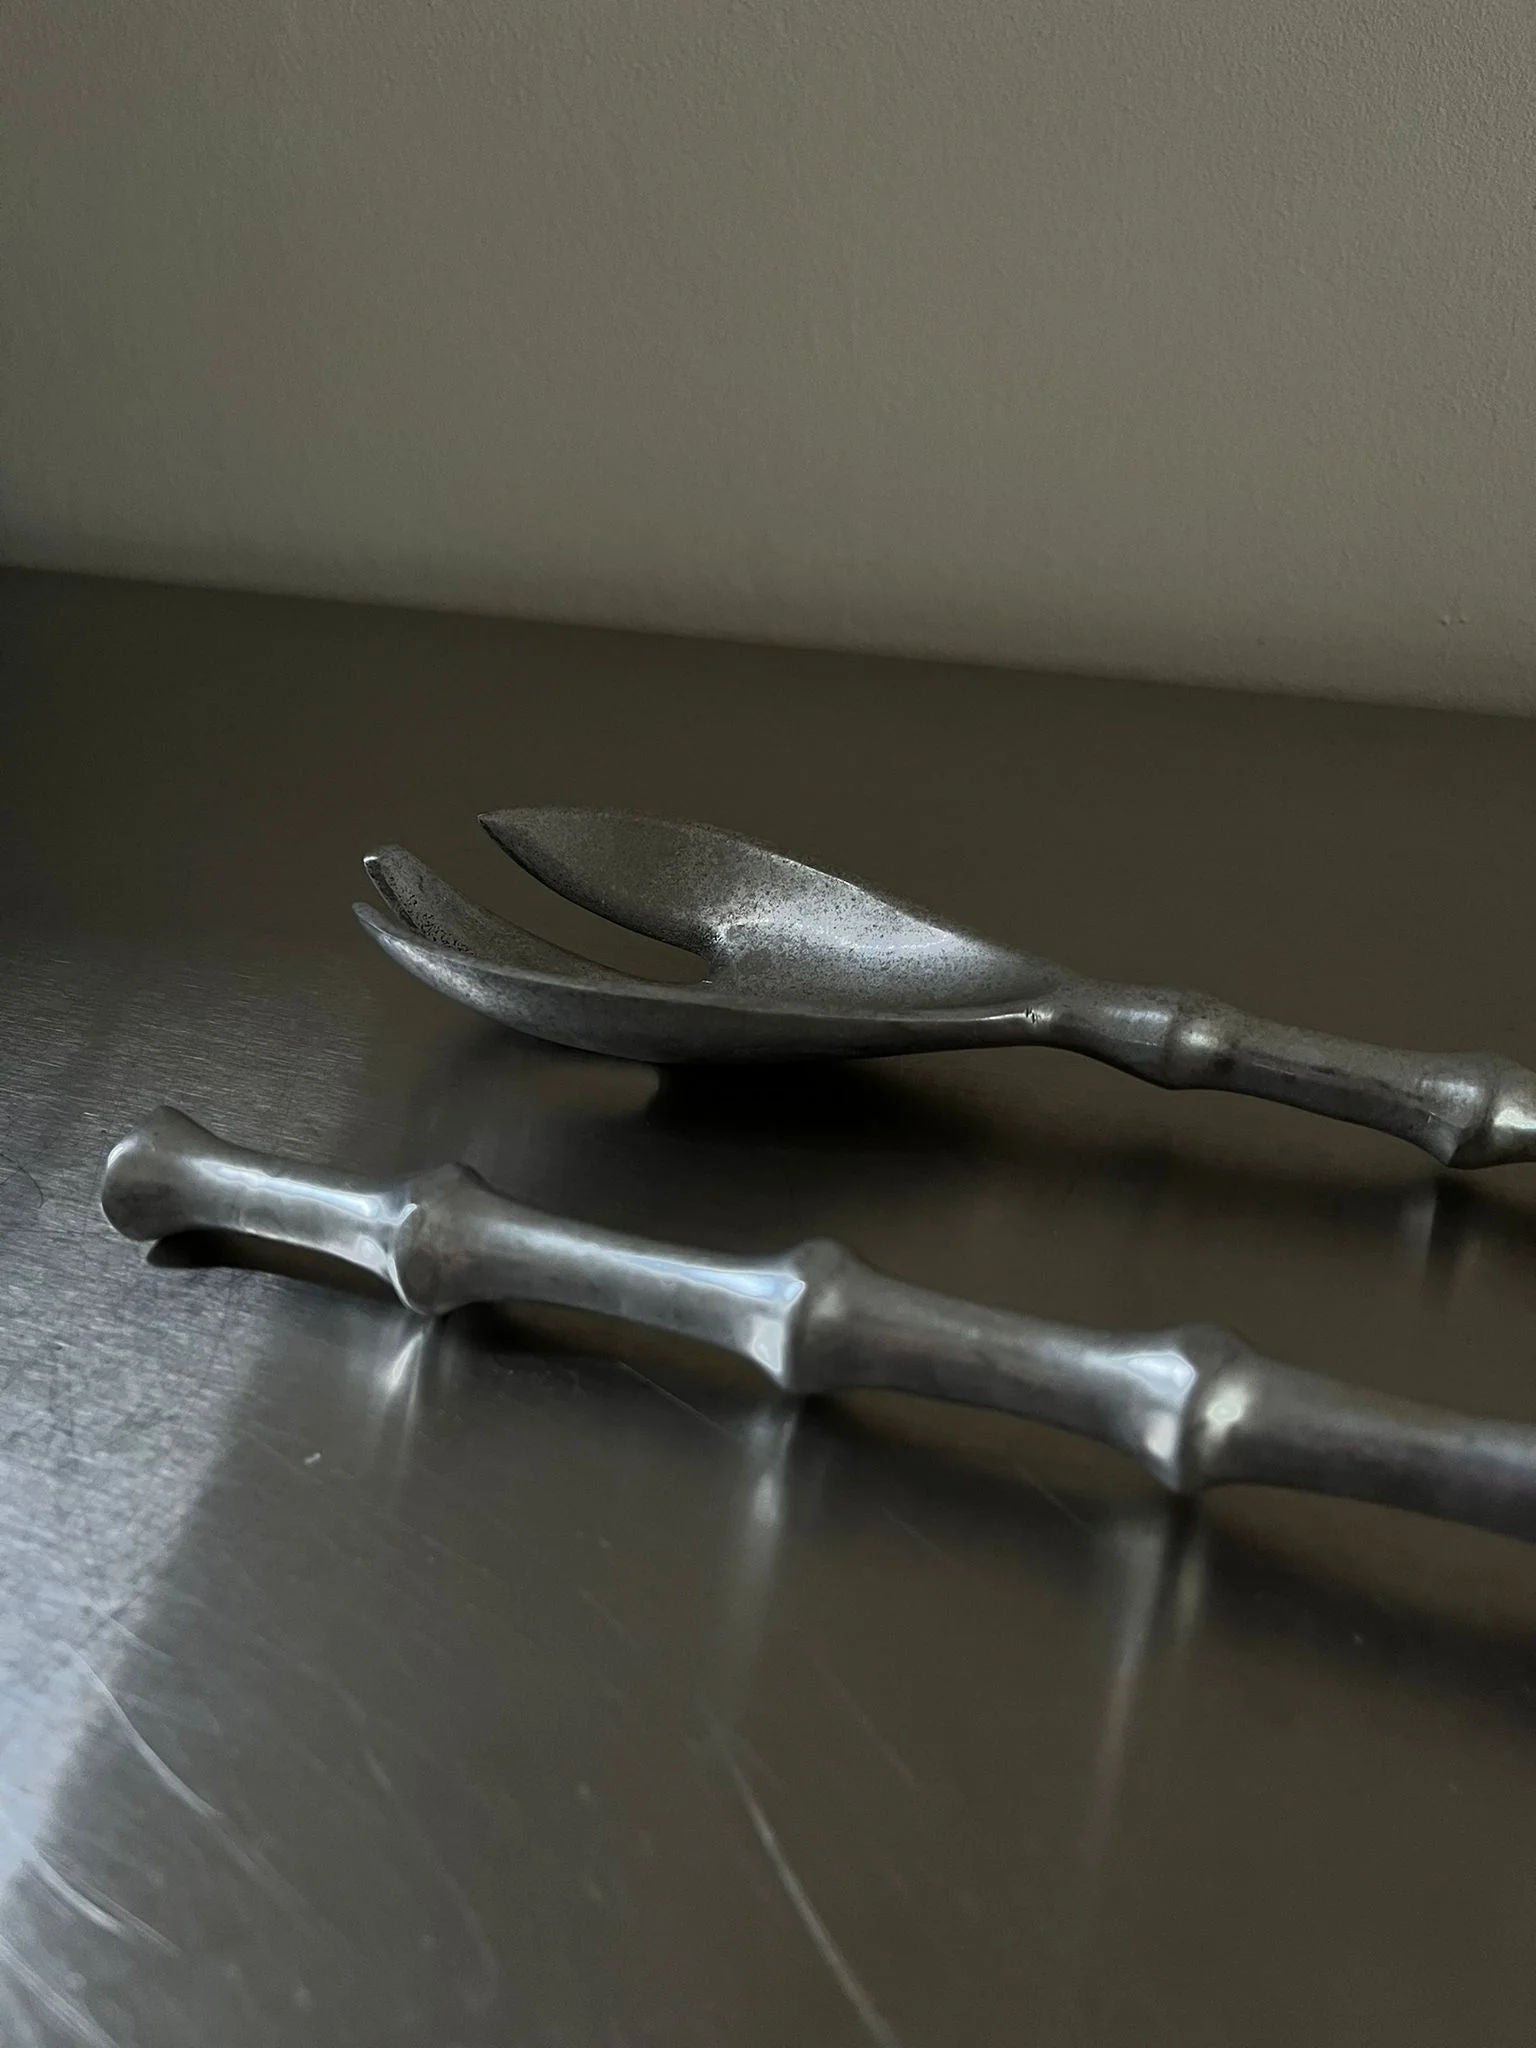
[800,963]
[1193,1405]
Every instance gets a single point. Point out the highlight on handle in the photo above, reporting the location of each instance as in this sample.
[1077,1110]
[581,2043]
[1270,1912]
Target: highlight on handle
[173,1175]
[155,1181]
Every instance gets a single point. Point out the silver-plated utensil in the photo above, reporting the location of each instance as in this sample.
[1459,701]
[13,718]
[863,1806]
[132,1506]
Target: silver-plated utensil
[1193,1405]
[800,963]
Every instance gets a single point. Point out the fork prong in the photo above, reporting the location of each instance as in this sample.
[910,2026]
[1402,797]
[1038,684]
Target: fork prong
[667,881]
[428,910]
[426,905]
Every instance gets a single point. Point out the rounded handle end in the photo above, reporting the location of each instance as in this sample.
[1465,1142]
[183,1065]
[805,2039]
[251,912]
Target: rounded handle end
[149,1186]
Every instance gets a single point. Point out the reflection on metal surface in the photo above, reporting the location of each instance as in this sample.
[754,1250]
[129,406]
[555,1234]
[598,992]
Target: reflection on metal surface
[1195,1406]
[801,963]
[389,1397]
[751,1545]
[1153,1600]
[1151,1596]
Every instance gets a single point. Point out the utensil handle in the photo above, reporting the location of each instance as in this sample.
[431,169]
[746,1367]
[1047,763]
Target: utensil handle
[443,1239]
[1193,1405]
[1471,1109]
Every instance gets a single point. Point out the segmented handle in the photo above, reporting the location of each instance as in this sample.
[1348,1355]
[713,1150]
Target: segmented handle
[1195,1406]
[1470,1109]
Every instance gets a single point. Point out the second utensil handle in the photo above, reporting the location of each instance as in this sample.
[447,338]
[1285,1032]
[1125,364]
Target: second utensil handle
[1193,1405]
[1470,1109]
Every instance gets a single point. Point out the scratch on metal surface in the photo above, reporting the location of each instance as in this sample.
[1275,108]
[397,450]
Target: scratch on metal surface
[483,1995]
[112,1617]
[677,1400]
[918,1535]
[589,1599]
[16,1209]
[264,1873]
[853,1990]
[370,1755]
[174,1784]
[56,2003]
[377,1772]
[1054,1498]
[250,1860]
[110,1918]
[15,2018]
[861,1714]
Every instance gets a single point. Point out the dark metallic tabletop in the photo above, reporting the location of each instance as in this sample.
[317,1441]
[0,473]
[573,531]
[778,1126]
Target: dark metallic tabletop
[526,1679]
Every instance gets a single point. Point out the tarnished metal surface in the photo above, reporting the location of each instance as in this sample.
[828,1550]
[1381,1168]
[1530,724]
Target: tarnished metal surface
[525,1678]
[799,963]
[1194,1405]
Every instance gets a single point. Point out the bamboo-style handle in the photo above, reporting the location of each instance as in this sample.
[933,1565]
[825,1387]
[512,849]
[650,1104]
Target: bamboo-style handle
[1195,1406]
[1464,1109]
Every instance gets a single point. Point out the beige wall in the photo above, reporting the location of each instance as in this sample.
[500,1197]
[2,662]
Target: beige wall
[1163,336]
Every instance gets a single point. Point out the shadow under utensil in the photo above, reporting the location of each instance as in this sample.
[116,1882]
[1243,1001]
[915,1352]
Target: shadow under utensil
[826,1104]
[195,1249]
[823,1104]
[1370,1613]
[776,1153]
